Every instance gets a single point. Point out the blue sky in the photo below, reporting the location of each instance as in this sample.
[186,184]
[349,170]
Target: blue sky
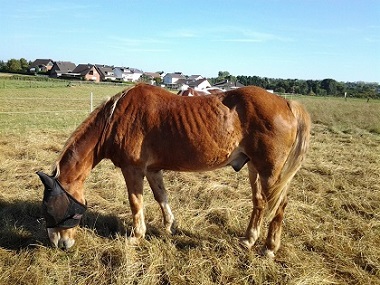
[301,39]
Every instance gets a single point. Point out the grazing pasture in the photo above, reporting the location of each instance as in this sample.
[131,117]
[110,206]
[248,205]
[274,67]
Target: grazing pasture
[332,222]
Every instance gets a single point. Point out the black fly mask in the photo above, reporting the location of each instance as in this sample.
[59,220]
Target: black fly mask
[59,208]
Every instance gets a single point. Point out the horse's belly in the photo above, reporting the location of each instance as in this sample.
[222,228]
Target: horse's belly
[193,157]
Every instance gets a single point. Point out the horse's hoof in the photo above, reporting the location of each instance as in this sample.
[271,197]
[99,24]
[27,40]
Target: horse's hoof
[171,228]
[171,231]
[244,242]
[133,241]
[267,252]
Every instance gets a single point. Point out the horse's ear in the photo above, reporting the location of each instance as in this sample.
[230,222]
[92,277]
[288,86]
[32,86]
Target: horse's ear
[47,180]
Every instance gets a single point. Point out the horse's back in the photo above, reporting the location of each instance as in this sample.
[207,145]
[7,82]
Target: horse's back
[175,132]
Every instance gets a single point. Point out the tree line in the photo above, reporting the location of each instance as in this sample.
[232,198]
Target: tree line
[325,87]
[15,65]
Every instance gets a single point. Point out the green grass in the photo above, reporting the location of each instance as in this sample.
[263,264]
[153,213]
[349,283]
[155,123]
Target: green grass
[347,116]
[50,108]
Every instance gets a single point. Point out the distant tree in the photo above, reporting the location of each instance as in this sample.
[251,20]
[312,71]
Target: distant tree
[243,80]
[268,83]
[144,78]
[340,88]
[281,86]
[364,90]
[330,86]
[257,81]
[291,85]
[3,65]
[223,75]
[301,87]
[312,87]
[158,80]
[14,65]
[321,91]
[24,64]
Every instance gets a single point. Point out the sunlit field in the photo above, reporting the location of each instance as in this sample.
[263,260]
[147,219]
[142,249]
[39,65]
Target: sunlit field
[332,223]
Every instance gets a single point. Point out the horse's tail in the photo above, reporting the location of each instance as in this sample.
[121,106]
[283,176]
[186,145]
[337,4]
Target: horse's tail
[295,158]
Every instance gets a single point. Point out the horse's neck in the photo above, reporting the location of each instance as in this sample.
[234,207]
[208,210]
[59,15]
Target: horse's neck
[82,151]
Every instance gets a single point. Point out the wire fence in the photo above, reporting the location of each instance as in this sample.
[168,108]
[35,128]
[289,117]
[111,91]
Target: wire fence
[40,112]
[24,81]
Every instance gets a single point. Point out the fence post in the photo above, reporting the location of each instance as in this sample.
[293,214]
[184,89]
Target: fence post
[91,99]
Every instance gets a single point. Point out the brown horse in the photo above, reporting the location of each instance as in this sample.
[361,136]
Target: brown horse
[146,129]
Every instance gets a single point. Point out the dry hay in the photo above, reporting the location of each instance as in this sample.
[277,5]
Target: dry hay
[331,229]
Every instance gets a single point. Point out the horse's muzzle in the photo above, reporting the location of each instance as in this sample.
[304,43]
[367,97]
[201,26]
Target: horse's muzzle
[60,239]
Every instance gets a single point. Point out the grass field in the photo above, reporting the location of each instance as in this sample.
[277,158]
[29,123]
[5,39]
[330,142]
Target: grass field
[331,229]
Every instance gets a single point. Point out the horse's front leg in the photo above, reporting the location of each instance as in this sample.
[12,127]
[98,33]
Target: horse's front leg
[134,178]
[156,183]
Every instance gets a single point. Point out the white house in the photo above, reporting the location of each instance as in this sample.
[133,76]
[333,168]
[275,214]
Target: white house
[200,84]
[127,74]
[171,79]
[196,77]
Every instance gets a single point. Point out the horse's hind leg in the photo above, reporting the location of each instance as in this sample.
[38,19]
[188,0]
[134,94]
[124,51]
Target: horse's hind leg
[272,243]
[156,183]
[134,178]
[253,230]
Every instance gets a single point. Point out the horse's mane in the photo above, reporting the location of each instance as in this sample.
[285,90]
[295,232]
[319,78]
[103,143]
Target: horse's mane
[102,115]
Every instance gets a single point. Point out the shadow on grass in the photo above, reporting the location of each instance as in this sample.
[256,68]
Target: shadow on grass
[22,225]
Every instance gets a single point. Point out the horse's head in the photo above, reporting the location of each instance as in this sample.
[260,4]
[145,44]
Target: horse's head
[62,212]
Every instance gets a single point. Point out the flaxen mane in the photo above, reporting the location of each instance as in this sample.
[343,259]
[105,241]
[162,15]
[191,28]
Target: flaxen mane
[101,115]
